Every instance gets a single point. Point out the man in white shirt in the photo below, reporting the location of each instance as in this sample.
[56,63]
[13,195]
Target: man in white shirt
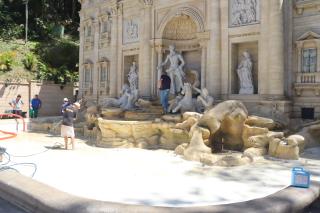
[16,105]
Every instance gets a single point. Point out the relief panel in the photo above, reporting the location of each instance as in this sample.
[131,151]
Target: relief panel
[244,12]
[130,31]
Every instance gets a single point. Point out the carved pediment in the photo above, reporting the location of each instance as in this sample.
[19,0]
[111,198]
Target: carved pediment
[88,62]
[308,36]
[103,60]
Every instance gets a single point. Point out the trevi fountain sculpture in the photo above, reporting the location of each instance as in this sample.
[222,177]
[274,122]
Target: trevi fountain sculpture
[197,129]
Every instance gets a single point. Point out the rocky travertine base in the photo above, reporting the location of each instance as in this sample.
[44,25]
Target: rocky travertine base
[193,135]
[44,124]
[311,133]
[53,124]
[140,134]
[229,122]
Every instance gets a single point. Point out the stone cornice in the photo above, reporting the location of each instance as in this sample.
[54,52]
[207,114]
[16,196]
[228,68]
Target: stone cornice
[301,5]
[299,87]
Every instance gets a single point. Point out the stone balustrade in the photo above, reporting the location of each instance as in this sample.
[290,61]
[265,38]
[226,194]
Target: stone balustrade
[312,77]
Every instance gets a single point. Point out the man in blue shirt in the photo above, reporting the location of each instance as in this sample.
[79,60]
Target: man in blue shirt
[35,105]
[164,87]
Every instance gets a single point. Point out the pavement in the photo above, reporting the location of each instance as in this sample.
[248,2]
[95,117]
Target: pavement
[145,180]
[6,207]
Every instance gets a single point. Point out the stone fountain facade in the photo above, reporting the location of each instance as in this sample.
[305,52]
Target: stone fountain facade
[281,69]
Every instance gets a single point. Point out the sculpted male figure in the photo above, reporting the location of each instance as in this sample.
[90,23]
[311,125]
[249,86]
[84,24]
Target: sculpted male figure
[175,71]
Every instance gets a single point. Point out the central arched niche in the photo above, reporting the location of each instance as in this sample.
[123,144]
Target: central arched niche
[180,28]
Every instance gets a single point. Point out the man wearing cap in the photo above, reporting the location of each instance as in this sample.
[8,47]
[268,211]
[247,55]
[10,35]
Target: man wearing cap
[67,130]
[65,104]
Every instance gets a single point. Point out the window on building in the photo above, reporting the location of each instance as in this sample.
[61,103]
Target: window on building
[307,113]
[87,74]
[105,27]
[309,60]
[103,73]
[88,31]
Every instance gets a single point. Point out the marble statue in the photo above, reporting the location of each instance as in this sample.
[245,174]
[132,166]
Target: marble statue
[126,101]
[132,98]
[175,71]
[174,102]
[186,103]
[117,102]
[133,77]
[204,100]
[244,72]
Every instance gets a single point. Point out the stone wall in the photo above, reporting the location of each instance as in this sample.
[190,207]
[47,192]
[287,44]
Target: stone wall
[305,34]
[50,94]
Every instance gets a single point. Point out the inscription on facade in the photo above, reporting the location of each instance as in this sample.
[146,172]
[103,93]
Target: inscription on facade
[244,12]
[131,31]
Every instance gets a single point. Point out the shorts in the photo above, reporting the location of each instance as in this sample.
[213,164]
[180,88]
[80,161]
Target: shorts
[67,131]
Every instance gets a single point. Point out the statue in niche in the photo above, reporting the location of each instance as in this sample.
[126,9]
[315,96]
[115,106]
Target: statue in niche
[244,72]
[243,12]
[133,77]
[204,100]
[175,71]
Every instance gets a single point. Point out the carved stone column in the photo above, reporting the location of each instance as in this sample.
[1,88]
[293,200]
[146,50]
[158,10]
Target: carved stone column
[299,48]
[95,71]
[318,56]
[213,69]
[159,52]
[276,48]
[114,52]
[145,50]
[203,45]
[119,57]
[81,49]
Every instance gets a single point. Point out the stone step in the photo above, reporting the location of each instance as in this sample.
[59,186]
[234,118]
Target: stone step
[140,116]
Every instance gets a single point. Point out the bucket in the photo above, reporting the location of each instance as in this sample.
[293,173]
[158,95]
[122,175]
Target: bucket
[300,177]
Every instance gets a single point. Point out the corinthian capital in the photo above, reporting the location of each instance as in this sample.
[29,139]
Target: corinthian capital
[148,2]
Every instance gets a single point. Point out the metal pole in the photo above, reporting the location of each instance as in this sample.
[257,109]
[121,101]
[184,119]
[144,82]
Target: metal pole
[26,29]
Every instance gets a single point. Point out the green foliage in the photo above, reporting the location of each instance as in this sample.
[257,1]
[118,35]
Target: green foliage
[58,61]
[17,75]
[59,75]
[7,60]
[30,62]
[9,28]
[50,59]
[43,15]
[59,53]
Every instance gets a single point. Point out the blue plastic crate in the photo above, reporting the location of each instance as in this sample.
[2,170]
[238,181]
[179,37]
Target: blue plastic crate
[300,177]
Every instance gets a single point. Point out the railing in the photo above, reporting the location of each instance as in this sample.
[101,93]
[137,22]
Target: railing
[87,85]
[12,134]
[308,78]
